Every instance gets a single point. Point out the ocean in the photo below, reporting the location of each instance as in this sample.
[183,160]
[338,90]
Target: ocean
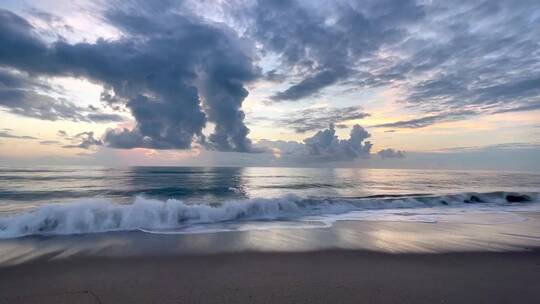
[182,200]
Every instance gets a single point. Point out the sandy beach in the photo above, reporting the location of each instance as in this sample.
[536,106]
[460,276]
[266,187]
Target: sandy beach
[336,276]
[351,262]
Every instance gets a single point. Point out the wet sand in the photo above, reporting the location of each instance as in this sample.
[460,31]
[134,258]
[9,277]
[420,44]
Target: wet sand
[351,262]
[335,276]
[389,237]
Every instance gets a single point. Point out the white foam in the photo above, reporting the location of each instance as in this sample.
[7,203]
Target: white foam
[99,215]
[173,216]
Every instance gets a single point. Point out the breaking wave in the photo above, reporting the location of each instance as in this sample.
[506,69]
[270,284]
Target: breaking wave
[94,215]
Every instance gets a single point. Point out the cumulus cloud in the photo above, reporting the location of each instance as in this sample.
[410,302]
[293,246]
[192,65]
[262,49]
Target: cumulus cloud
[326,144]
[390,153]
[214,67]
[162,68]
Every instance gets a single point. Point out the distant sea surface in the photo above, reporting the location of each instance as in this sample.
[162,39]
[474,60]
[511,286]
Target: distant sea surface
[78,200]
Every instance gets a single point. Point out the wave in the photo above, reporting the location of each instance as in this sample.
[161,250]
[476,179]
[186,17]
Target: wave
[93,215]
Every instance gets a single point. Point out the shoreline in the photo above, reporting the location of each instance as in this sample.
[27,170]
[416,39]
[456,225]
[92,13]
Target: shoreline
[339,276]
[376,236]
[350,262]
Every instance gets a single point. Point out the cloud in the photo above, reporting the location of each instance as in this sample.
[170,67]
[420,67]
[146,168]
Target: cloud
[317,118]
[326,144]
[478,56]
[49,142]
[427,120]
[153,71]
[311,85]
[105,117]
[390,153]
[85,140]
[274,76]
[24,95]
[448,61]
[128,139]
[214,67]
[6,133]
[323,44]
[282,147]
[495,147]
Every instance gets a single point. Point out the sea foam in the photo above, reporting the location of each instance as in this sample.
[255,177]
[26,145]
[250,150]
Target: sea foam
[95,215]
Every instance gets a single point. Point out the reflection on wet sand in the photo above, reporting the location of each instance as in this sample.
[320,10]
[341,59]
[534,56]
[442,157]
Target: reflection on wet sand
[392,237]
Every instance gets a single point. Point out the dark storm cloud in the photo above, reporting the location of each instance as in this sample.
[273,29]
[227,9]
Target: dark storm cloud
[127,139]
[318,118]
[324,45]
[427,120]
[216,63]
[159,69]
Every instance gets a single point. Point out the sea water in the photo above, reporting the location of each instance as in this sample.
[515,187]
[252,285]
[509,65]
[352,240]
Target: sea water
[170,200]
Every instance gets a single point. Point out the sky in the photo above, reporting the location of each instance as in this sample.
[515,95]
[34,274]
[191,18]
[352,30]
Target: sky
[371,83]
